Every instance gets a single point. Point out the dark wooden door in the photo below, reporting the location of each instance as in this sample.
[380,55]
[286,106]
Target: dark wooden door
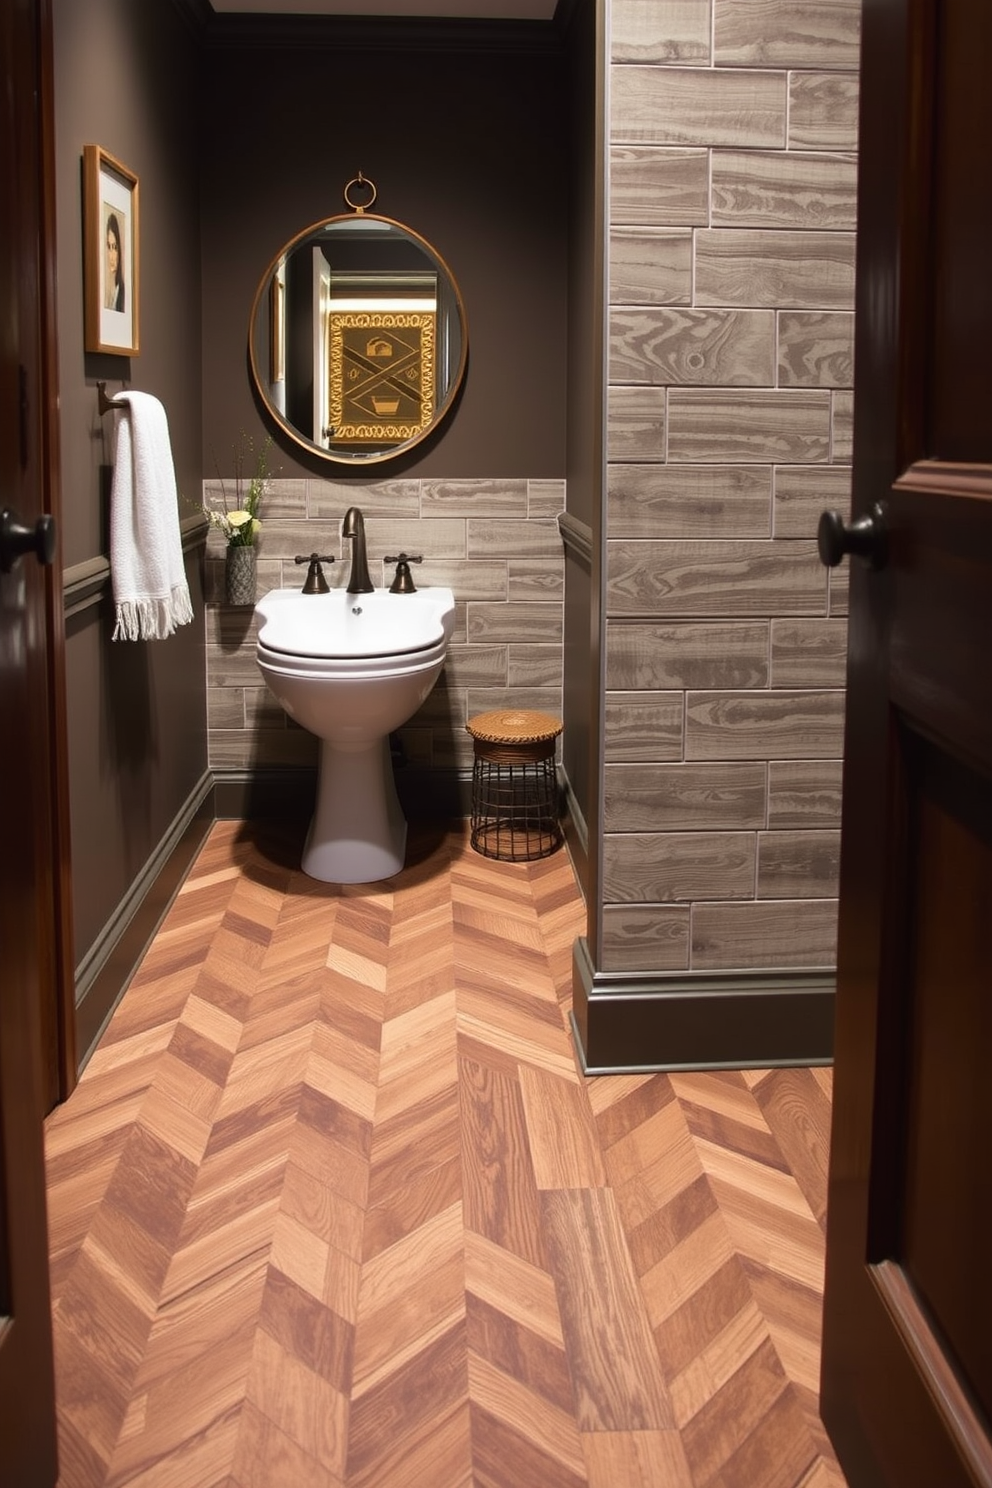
[27,921]
[907,1344]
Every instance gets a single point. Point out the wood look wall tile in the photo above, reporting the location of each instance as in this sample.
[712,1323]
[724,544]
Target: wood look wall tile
[261,710]
[269,747]
[643,726]
[757,188]
[533,666]
[650,266]
[659,501]
[804,793]
[226,708]
[476,666]
[714,578]
[709,425]
[536,578]
[655,187]
[815,349]
[328,500]
[801,270]
[798,865]
[545,498]
[651,655]
[727,348]
[803,492]
[465,498]
[796,932]
[645,867]
[764,725]
[660,31]
[635,423]
[514,623]
[812,33]
[696,106]
[487,538]
[842,427]
[645,938]
[438,538]
[285,500]
[823,111]
[809,653]
[684,798]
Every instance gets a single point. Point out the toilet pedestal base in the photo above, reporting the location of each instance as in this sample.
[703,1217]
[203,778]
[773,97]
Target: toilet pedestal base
[358,831]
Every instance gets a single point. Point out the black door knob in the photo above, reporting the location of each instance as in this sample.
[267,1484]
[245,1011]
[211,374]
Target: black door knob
[16,539]
[864,537]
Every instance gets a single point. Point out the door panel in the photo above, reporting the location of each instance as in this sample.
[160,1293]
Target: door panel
[906,1389]
[27,923]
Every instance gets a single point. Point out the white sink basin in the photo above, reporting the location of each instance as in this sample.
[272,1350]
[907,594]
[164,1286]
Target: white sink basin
[354,625]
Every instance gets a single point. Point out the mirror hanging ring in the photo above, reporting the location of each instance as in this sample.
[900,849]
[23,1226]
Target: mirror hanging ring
[358,340]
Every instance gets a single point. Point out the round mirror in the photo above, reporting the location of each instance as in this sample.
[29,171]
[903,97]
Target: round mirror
[357,338]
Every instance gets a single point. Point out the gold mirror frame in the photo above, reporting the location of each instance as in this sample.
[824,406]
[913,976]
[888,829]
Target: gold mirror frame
[421,368]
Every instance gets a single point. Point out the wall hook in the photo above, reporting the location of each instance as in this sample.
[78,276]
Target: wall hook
[103,403]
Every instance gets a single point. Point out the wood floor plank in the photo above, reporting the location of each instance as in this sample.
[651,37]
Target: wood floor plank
[636,1459]
[333,1206]
[618,1379]
[562,1134]
[501,1199]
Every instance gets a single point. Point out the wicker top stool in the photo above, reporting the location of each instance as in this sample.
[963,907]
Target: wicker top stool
[514,785]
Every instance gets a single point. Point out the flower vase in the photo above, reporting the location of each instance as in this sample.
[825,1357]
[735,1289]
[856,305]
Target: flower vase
[239,575]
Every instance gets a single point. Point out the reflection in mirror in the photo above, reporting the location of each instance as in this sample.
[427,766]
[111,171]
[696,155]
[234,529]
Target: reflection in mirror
[357,338]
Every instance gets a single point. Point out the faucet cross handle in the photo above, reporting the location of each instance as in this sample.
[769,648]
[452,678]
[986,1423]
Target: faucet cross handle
[315,581]
[403,582]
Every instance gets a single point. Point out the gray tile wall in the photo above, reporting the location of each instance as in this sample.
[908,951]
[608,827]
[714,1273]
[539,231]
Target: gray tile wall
[733,132]
[495,542]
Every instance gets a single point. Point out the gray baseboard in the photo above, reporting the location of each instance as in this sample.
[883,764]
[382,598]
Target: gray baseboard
[104,973]
[576,834]
[731,1020]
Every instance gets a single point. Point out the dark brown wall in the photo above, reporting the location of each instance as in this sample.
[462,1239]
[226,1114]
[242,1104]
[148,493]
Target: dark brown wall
[467,148]
[126,76]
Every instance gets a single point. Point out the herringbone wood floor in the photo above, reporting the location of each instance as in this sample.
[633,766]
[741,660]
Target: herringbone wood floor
[332,1207]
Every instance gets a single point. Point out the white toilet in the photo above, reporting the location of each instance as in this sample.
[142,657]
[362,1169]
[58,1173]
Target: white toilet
[351,668]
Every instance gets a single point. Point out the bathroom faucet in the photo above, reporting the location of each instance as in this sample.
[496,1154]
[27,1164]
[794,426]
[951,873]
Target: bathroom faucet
[353,526]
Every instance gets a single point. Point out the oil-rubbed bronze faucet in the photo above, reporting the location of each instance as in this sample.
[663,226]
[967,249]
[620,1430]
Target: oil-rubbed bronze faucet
[403,582]
[315,581]
[353,526]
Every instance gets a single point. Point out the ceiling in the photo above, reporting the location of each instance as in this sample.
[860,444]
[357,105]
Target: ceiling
[514,10]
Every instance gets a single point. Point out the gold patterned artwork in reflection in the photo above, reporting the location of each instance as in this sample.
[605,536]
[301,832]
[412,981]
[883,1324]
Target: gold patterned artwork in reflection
[381,382]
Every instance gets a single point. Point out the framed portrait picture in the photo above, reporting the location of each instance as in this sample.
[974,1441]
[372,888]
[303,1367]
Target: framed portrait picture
[110,254]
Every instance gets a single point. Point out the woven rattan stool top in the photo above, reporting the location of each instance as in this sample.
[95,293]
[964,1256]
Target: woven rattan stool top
[514,726]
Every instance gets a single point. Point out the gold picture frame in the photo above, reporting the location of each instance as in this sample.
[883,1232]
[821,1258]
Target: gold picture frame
[382,375]
[111,259]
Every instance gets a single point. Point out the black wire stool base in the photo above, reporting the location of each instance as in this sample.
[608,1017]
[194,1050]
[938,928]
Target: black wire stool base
[515,809]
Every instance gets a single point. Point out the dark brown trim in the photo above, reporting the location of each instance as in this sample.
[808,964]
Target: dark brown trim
[104,976]
[732,1020]
[86,583]
[61,1017]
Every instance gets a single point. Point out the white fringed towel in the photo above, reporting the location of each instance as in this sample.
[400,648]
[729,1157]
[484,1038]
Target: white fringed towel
[146,553]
